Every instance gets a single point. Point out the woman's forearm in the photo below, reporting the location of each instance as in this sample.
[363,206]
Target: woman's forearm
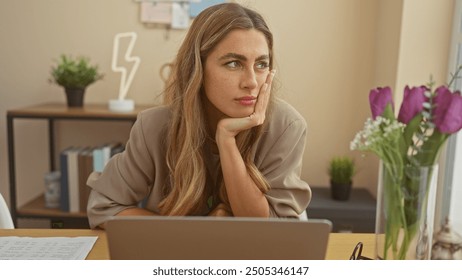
[136,212]
[244,196]
[132,212]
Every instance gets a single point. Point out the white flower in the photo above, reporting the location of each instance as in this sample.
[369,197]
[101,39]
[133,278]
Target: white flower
[377,132]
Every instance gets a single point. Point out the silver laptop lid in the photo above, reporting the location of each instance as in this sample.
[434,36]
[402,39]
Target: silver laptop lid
[207,238]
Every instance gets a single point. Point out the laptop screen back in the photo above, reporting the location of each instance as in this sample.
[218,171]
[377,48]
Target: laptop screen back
[206,238]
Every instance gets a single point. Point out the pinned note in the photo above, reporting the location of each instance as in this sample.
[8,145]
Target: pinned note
[198,6]
[180,15]
[160,12]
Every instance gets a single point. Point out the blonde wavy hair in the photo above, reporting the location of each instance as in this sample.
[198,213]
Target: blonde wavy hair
[186,192]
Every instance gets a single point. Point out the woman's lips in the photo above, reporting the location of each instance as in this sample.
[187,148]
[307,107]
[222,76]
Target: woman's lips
[247,100]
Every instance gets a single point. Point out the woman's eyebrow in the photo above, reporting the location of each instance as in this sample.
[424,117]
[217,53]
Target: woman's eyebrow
[241,57]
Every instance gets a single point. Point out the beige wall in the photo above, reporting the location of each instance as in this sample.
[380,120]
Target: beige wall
[329,54]
[424,48]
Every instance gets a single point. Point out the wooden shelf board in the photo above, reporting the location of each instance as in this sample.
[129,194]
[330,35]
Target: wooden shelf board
[36,207]
[59,110]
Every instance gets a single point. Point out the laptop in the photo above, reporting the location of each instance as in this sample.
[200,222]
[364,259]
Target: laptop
[216,238]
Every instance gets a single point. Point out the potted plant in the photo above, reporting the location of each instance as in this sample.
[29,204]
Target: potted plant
[341,171]
[74,75]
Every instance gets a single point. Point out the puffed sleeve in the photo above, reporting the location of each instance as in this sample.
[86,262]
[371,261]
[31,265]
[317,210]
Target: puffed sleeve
[125,181]
[280,161]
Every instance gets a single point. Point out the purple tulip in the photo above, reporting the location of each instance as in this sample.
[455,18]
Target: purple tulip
[379,99]
[412,105]
[448,110]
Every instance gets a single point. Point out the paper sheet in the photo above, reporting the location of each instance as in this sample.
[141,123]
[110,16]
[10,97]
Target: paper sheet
[180,15]
[46,248]
[156,12]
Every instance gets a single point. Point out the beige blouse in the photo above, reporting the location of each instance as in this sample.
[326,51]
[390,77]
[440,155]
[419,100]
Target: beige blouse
[139,173]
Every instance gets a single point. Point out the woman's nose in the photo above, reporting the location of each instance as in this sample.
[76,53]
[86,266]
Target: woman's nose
[249,79]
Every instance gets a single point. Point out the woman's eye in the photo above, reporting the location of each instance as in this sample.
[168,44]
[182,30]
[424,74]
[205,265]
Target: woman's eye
[232,64]
[262,65]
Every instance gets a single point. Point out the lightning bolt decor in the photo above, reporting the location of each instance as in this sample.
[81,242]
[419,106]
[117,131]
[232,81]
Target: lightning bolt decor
[123,104]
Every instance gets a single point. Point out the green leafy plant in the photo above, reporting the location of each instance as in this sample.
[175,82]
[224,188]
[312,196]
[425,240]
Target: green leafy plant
[75,73]
[341,170]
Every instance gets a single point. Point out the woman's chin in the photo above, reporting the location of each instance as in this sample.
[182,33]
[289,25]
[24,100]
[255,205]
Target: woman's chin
[242,113]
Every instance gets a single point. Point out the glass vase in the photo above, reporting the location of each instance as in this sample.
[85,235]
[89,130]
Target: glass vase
[405,212]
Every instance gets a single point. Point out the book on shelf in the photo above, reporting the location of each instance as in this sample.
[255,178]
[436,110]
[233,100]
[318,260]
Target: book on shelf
[64,194]
[77,163]
[73,179]
[98,159]
[103,153]
[85,169]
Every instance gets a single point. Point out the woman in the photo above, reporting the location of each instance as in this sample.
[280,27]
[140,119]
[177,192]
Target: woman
[221,145]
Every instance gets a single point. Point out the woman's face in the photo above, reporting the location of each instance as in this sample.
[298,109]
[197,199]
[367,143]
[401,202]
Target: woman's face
[234,72]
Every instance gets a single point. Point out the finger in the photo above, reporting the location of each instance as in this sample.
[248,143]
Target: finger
[262,100]
[265,91]
[270,77]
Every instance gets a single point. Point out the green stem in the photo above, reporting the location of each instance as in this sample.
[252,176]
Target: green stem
[393,174]
[403,210]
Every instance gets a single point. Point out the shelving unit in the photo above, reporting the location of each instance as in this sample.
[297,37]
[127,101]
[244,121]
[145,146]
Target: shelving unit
[357,214]
[52,112]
